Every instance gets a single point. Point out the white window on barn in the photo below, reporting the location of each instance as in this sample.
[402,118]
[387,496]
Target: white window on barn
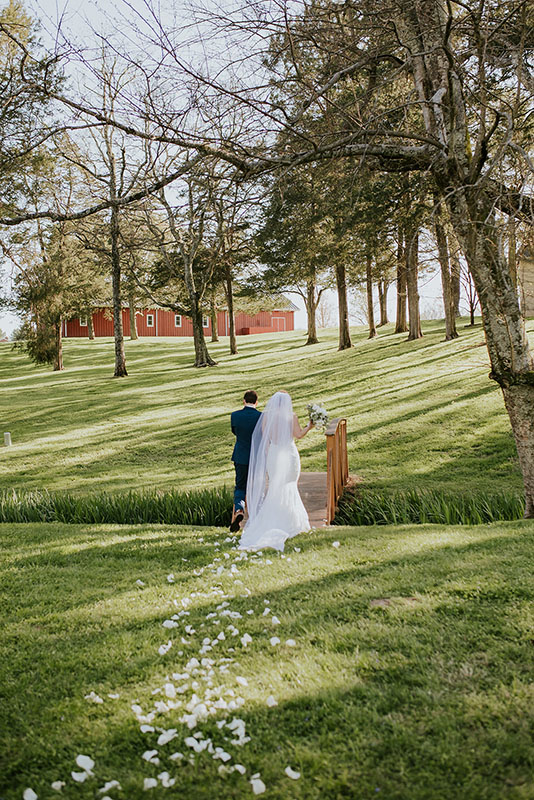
[83,322]
[205,322]
[150,320]
[177,320]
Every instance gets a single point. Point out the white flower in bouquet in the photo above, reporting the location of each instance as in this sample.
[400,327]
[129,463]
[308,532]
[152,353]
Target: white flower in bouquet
[318,415]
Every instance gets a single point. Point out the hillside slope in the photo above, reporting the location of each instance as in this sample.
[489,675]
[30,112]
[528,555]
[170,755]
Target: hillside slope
[420,414]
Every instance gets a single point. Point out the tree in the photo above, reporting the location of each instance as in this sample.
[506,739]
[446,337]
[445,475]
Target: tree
[465,121]
[234,206]
[449,300]
[325,316]
[181,244]
[54,278]
[295,243]
[27,119]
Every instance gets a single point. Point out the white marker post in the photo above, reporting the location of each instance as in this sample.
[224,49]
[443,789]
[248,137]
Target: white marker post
[7,439]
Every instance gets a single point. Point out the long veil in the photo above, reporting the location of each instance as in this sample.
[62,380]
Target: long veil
[274,429]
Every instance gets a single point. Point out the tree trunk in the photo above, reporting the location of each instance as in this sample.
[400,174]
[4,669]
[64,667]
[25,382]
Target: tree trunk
[471,205]
[401,316]
[504,326]
[120,360]
[454,251]
[202,357]
[443,257]
[58,355]
[369,286]
[133,317]
[90,326]
[411,260]
[230,304]
[383,301]
[311,312]
[512,251]
[519,401]
[214,325]
[341,285]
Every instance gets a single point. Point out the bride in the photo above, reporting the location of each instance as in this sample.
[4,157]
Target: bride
[275,509]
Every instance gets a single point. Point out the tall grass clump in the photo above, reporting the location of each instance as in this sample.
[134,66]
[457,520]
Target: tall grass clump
[200,507]
[373,507]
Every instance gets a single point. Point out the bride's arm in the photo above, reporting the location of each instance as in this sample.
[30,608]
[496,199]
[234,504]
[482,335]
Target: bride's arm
[299,432]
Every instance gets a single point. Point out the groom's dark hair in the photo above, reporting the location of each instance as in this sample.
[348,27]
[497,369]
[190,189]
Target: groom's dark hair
[250,397]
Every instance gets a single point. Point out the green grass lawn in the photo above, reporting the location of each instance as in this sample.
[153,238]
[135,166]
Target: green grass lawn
[411,674]
[420,414]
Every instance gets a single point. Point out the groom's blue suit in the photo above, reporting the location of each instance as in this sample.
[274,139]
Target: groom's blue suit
[243,423]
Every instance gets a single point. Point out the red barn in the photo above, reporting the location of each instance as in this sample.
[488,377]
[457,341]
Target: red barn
[162,322]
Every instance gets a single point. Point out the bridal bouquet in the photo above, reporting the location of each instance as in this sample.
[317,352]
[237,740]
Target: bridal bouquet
[318,415]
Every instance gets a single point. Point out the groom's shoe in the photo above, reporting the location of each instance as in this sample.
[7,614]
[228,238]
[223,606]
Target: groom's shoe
[237,520]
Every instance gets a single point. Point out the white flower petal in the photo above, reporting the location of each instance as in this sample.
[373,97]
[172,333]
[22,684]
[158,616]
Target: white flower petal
[79,777]
[291,643]
[85,762]
[246,639]
[148,755]
[57,785]
[258,786]
[147,728]
[140,583]
[241,681]
[93,697]
[336,544]
[271,701]
[109,785]
[167,736]
[222,754]
[149,783]
[291,773]
[240,768]
[275,621]
[166,780]
[29,794]
[274,640]
[170,577]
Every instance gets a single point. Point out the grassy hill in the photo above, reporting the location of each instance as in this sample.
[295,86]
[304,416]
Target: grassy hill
[420,414]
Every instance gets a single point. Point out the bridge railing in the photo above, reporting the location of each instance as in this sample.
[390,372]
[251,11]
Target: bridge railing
[337,464]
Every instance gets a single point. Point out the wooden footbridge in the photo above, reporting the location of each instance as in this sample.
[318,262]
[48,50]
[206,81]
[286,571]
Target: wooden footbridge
[320,491]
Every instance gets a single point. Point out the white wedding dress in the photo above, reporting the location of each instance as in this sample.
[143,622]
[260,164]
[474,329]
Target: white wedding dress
[276,511]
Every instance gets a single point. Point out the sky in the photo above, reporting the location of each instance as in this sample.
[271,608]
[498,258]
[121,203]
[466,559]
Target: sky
[78,15]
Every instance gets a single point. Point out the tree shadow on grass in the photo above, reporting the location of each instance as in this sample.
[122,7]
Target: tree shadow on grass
[420,699]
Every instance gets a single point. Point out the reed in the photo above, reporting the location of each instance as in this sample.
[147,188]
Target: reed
[374,507]
[200,507]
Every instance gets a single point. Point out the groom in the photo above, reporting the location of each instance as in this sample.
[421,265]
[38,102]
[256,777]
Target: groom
[243,424]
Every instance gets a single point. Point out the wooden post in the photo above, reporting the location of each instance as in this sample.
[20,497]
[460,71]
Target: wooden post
[337,465]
